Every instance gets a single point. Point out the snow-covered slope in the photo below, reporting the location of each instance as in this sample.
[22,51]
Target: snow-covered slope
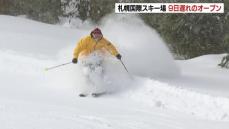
[33,98]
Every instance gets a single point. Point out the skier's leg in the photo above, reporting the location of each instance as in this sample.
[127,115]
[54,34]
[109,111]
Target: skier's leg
[85,88]
[99,87]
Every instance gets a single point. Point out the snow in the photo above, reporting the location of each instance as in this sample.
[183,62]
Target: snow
[163,93]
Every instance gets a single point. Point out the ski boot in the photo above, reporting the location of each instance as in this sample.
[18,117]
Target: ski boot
[82,95]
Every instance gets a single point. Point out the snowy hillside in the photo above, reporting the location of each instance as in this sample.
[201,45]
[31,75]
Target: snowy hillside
[163,94]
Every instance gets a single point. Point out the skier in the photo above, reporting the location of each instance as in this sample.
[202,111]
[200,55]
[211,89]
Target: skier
[224,61]
[90,52]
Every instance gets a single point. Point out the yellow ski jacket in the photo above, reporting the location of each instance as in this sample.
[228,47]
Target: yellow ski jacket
[88,45]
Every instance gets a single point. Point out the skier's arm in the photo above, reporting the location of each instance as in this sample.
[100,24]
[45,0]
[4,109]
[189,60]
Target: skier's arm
[111,48]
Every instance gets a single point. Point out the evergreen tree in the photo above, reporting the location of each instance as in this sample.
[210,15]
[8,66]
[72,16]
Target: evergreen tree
[41,10]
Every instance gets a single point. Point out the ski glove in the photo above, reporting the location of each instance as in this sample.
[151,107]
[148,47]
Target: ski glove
[119,56]
[74,60]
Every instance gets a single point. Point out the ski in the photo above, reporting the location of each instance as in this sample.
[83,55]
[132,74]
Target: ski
[97,94]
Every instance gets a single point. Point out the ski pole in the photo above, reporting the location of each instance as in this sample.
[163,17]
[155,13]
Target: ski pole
[124,66]
[46,69]
[126,69]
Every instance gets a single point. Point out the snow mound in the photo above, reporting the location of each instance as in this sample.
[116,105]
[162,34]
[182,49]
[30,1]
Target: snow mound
[159,94]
